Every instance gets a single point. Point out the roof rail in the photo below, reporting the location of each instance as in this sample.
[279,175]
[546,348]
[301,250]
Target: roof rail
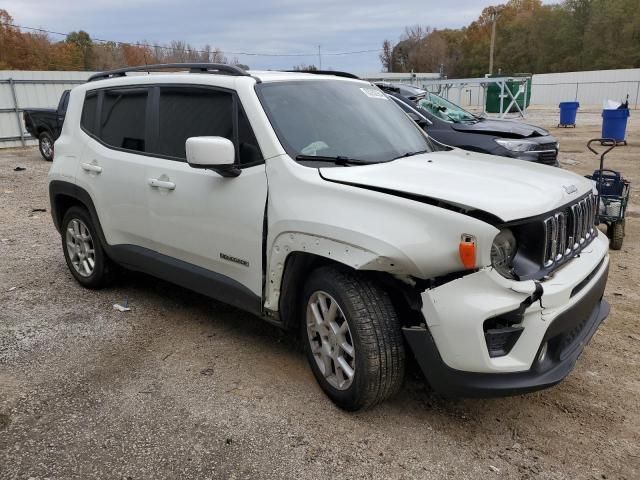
[219,68]
[326,72]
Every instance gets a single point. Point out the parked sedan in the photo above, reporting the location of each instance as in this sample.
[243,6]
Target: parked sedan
[451,125]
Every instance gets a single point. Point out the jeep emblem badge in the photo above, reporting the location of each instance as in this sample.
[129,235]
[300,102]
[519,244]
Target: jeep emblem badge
[570,188]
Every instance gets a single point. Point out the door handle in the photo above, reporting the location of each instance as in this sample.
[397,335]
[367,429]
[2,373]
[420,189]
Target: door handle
[90,167]
[154,182]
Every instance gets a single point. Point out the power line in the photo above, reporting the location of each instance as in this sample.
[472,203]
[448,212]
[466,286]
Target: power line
[165,47]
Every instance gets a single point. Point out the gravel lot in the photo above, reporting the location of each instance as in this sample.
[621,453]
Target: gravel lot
[184,387]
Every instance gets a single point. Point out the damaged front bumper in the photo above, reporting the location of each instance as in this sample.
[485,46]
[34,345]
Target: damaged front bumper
[452,347]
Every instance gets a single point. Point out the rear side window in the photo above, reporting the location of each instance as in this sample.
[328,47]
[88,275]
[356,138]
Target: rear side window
[122,118]
[89,110]
[118,118]
[191,112]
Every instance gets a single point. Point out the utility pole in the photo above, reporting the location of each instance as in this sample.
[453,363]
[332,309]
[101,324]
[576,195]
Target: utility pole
[494,20]
[319,59]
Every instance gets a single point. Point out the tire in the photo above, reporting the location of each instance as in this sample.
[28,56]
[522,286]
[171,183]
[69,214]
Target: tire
[45,144]
[83,250]
[617,235]
[373,333]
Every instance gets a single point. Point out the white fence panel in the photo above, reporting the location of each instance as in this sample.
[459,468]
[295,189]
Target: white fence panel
[549,89]
[20,90]
[43,90]
[588,88]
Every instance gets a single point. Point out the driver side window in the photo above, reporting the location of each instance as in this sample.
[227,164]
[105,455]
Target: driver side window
[185,112]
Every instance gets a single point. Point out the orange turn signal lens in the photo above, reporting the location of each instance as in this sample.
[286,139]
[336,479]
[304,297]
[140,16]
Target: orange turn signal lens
[467,250]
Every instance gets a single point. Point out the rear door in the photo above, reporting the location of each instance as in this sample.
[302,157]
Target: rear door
[113,165]
[198,216]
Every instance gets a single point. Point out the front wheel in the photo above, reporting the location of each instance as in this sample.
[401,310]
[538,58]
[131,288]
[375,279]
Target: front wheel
[352,338]
[45,144]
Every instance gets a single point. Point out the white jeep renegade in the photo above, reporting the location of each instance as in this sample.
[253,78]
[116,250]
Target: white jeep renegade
[316,203]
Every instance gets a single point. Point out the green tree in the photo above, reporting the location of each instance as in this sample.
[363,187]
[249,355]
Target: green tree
[84,46]
[530,38]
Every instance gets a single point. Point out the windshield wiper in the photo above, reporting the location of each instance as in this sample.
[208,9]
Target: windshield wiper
[338,160]
[411,154]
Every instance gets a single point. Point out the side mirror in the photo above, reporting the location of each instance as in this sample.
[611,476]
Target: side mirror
[212,153]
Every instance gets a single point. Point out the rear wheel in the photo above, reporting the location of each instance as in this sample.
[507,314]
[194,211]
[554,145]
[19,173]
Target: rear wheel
[352,338]
[45,143]
[616,235]
[83,250]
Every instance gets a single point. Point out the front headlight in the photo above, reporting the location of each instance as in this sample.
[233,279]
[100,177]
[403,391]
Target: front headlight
[517,145]
[503,250]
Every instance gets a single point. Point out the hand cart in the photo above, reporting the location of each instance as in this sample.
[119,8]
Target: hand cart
[613,195]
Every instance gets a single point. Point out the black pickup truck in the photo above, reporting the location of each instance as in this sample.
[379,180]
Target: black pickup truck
[45,124]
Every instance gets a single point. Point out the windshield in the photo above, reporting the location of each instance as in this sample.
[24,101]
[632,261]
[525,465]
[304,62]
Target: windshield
[444,109]
[339,119]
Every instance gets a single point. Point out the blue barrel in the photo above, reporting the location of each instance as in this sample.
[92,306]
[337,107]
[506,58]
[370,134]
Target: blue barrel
[614,124]
[568,112]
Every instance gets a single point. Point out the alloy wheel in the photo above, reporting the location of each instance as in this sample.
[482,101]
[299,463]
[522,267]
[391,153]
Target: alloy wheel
[330,340]
[80,247]
[47,147]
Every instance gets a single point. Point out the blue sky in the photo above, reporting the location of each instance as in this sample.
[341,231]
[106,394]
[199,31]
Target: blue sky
[269,26]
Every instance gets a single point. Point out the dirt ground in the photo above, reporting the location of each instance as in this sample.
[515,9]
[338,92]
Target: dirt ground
[184,387]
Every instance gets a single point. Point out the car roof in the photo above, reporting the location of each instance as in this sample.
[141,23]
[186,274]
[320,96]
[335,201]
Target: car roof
[139,75]
[278,76]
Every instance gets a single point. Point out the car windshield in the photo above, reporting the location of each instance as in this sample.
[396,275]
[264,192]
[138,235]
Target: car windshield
[444,109]
[351,121]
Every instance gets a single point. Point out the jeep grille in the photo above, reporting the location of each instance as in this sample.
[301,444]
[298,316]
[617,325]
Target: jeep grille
[569,231]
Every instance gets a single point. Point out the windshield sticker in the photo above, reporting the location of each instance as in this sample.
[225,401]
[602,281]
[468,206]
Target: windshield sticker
[374,93]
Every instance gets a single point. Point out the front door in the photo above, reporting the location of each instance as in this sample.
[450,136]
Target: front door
[198,216]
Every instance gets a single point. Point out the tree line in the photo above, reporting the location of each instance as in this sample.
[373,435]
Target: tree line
[531,37]
[36,51]
[574,35]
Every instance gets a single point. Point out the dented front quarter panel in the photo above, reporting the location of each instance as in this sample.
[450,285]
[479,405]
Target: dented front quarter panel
[363,229]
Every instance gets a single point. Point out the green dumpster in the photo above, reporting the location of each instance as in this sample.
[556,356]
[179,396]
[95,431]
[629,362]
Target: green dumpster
[492,104]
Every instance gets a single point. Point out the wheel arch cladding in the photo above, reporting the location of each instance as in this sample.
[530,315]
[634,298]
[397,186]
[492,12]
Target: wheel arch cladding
[59,206]
[342,253]
[64,195]
[286,278]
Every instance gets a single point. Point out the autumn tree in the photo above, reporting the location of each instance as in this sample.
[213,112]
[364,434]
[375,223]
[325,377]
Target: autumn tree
[531,37]
[386,56]
[83,45]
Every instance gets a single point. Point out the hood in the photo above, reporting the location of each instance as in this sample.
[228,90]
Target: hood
[501,128]
[507,188]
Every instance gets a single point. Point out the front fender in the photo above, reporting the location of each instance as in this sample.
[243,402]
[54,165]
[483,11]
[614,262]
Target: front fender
[361,228]
[351,255]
